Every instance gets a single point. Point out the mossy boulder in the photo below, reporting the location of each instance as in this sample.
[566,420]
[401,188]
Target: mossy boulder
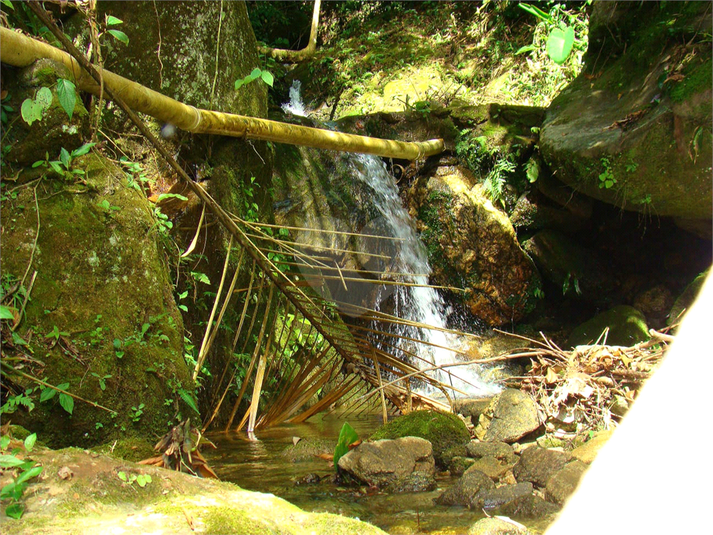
[101,315]
[441,429]
[626,325]
[635,131]
[686,299]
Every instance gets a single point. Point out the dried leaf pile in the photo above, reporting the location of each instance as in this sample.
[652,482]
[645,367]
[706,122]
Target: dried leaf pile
[590,387]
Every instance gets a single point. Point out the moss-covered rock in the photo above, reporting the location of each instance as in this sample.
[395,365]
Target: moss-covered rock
[685,300]
[626,325]
[441,429]
[639,135]
[102,315]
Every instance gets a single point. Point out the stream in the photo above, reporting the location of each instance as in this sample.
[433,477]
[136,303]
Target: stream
[260,466]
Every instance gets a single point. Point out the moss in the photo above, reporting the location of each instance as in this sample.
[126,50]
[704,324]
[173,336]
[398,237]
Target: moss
[221,520]
[696,79]
[128,448]
[627,327]
[442,430]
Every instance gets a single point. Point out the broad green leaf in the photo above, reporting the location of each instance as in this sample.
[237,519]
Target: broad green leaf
[559,44]
[524,49]
[56,167]
[171,196]
[44,98]
[81,151]
[122,476]
[30,441]
[346,436]
[47,394]
[10,461]
[255,74]
[18,340]
[188,398]
[30,111]
[238,84]
[112,21]
[15,510]
[6,313]
[267,77]
[63,386]
[8,3]
[66,402]
[65,158]
[4,442]
[67,95]
[29,474]
[121,36]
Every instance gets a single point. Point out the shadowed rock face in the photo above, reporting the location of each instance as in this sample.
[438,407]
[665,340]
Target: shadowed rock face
[635,131]
[401,464]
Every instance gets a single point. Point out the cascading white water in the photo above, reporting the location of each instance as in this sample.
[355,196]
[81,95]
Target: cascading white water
[416,304]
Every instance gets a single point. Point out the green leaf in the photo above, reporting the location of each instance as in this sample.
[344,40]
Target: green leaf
[30,111]
[112,21]
[121,36]
[171,196]
[4,442]
[10,461]
[267,77]
[122,476]
[188,398]
[81,151]
[63,386]
[44,98]
[238,84]
[6,313]
[559,44]
[18,340]
[536,11]
[346,436]
[524,49]
[56,167]
[8,3]
[30,441]
[67,95]
[66,402]
[65,158]
[15,510]
[47,394]
[254,75]
[28,474]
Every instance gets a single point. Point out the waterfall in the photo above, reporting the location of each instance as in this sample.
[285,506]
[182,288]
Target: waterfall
[416,304]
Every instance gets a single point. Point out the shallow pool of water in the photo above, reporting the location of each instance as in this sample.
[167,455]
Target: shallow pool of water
[260,466]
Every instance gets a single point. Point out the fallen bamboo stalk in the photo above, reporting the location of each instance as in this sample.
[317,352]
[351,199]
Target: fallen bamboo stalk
[20,51]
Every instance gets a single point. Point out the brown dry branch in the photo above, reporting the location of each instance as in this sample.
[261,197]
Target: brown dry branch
[589,387]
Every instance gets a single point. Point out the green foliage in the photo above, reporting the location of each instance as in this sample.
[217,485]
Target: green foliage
[136,412]
[24,471]
[257,73]
[67,96]
[606,177]
[141,479]
[34,109]
[347,436]
[561,35]
[63,167]
[116,34]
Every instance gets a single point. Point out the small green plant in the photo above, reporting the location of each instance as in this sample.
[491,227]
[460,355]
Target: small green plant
[63,166]
[256,73]
[25,470]
[116,34]
[55,333]
[561,35]
[5,109]
[136,412]
[606,177]
[141,480]
[102,380]
[347,436]
[571,280]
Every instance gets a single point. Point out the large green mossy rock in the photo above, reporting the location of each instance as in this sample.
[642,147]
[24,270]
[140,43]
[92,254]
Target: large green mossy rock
[442,430]
[634,129]
[627,327]
[101,314]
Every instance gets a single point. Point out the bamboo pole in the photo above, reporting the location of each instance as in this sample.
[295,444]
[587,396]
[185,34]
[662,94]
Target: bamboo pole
[295,56]
[20,51]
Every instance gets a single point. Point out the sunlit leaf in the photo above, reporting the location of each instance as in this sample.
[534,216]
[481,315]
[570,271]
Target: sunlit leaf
[28,474]
[121,36]
[559,44]
[66,402]
[67,95]
[6,313]
[15,510]
[10,461]
[346,436]
[267,77]
[30,441]
[112,20]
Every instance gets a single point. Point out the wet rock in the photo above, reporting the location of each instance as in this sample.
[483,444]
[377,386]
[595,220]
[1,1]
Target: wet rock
[563,483]
[387,463]
[416,482]
[588,451]
[530,506]
[464,491]
[497,526]
[459,465]
[511,415]
[537,465]
[490,499]
[627,327]
[472,408]
[499,450]
[442,430]
[307,449]
[491,466]
[467,238]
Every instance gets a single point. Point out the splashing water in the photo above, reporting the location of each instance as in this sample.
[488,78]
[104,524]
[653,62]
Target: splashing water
[416,304]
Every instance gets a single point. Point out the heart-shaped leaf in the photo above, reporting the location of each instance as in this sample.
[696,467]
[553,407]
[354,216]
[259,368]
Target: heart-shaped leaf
[559,44]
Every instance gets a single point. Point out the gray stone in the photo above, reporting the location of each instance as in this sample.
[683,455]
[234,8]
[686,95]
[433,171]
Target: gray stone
[512,415]
[459,465]
[492,498]
[491,466]
[537,465]
[386,463]
[498,450]
[464,491]
[563,483]
[530,506]
[497,526]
